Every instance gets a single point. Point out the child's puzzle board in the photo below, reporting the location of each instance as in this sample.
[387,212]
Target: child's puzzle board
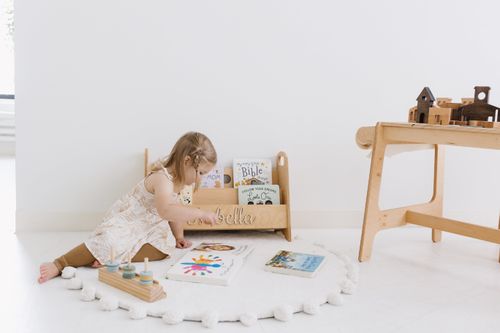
[231,215]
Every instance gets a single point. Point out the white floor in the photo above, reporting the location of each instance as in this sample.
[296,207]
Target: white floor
[409,285]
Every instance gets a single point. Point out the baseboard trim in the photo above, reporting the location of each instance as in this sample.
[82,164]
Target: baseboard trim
[7,148]
[57,221]
[85,221]
[327,219]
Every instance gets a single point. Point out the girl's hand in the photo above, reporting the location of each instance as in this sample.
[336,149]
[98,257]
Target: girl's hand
[208,217]
[182,243]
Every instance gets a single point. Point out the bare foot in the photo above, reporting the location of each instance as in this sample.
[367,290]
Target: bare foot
[48,270]
[96,264]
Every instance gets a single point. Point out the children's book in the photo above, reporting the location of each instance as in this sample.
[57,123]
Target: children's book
[252,172]
[234,249]
[259,194]
[213,179]
[295,263]
[211,263]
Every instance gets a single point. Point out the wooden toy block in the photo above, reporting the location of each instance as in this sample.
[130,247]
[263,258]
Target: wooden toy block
[458,123]
[444,102]
[441,100]
[424,101]
[412,114]
[148,293]
[489,124]
[440,116]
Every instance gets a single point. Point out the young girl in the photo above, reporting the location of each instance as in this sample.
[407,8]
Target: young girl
[136,225]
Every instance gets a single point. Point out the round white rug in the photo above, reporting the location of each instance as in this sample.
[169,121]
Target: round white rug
[253,294]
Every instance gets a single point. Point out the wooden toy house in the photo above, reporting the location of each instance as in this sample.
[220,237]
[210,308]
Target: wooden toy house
[470,112]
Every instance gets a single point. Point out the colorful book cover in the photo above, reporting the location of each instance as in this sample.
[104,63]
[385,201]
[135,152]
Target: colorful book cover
[211,263]
[259,194]
[235,249]
[213,179]
[295,263]
[252,172]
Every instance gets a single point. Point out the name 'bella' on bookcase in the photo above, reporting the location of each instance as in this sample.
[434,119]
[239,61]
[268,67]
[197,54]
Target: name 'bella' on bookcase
[237,216]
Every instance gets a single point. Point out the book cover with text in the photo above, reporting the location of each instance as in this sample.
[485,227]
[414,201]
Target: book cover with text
[213,179]
[259,194]
[252,172]
[295,263]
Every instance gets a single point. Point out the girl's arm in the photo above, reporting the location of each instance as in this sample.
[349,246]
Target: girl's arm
[177,229]
[178,232]
[171,210]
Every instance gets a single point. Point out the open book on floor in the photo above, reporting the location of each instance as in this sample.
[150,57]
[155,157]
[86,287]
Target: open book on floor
[295,263]
[211,263]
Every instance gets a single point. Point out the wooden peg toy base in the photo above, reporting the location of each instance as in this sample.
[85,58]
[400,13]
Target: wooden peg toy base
[148,293]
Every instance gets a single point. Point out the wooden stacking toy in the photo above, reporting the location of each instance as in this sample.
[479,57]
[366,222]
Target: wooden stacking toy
[129,269]
[142,286]
[112,265]
[146,276]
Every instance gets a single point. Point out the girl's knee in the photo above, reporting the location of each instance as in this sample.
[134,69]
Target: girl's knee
[151,252]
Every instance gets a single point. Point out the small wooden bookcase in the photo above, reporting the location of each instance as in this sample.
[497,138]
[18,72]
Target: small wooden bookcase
[429,214]
[231,215]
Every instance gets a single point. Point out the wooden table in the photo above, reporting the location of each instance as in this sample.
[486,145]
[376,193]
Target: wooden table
[428,214]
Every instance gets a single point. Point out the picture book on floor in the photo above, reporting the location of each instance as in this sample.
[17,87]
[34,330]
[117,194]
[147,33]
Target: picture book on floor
[252,172]
[232,248]
[213,179]
[295,263]
[259,194]
[210,262]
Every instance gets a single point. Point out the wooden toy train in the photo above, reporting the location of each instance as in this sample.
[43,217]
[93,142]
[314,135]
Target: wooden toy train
[470,112]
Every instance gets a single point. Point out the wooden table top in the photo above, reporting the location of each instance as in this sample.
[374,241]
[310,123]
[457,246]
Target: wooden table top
[413,133]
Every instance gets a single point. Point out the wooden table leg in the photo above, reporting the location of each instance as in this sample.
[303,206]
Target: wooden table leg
[437,196]
[376,219]
[429,214]
[372,211]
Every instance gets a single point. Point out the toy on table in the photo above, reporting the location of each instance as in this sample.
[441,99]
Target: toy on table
[128,269]
[470,112]
[146,276]
[112,265]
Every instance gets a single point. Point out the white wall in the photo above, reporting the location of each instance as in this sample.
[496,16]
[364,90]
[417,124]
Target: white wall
[96,82]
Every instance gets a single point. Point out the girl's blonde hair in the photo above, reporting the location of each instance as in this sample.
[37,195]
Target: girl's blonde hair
[194,145]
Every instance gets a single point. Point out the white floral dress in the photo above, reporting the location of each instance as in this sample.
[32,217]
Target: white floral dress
[131,222]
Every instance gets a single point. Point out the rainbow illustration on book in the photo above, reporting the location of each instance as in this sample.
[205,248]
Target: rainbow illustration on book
[201,265]
[210,262]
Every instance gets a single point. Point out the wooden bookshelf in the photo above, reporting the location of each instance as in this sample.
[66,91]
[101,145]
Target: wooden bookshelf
[232,216]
